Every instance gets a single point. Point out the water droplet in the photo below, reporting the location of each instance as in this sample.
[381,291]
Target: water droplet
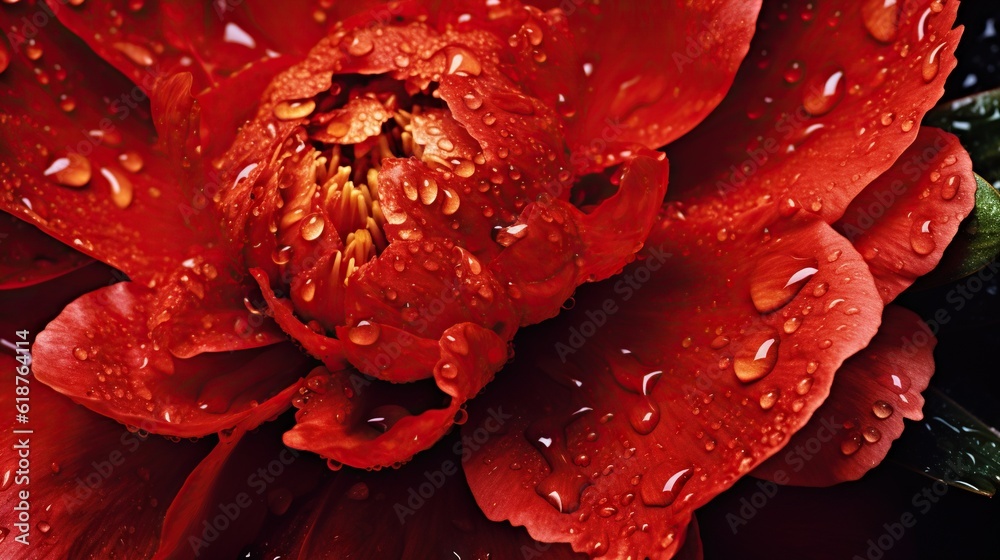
[932,64]
[950,187]
[804,385]
[121,187]
[80,353]
[881,19]
[882,409]
[489,119]
[872,434]
[360,45]
[777,279]
[428,191]
[921,238]
[462,62]
[472,101]
[887,118]
[719,342]
[282,255]
[824,92]
[663,484]
[821,289]
[793,72]
[791,325]
[465,169]
[44,527]
[73,170]
[312,226]
[907,125]
[292,110]
[131,161]
[757,356]
[768,399]
[851,444]
[451,202]
[138,54]
[364,333]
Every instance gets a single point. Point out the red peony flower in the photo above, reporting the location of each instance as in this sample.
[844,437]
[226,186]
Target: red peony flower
[368,214]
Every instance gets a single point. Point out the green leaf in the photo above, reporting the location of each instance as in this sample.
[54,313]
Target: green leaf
[951,445]
[976,121]
[976,244]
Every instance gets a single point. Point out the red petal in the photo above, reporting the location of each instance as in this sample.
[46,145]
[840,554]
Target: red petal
[77,141]
[33,307]
[426,287]
[636,74]
[339,419]
[554,247]
[871,395]
[96,490]
[31,257]
[420,511]
[819,124]
[99,351]
[902,222]
[329,350]
[147,40]
[227,498]
[661,389]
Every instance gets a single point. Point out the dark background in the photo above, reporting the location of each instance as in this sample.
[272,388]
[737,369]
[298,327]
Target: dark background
[838,522]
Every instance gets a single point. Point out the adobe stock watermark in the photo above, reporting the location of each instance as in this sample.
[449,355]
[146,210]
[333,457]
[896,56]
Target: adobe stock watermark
[229,511]
[625,287]
[958,297]
[795,460]
[921,503]
[864,218]
[418,496]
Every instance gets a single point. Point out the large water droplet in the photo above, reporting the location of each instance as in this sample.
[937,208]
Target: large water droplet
[428,191]
[462,62]
[757,356]
[563,487]
[364,333]
[451,202]
[777,279]
[824,92]
[136,53]
[662,485]
[121,187]
[932,64]
[921,238]
[360,45]
[73,170]
[291,110]
[882,409]
[950,187]
[312,226]
[881,18]
[131,161]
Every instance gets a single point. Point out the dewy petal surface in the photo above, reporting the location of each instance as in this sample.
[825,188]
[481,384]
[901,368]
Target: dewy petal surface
[374,515]
[100,352]
[31,257]
[660,389]
[828,99]
[903,221]
[79,160]
[639,74]
[871,395]
[96,489]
